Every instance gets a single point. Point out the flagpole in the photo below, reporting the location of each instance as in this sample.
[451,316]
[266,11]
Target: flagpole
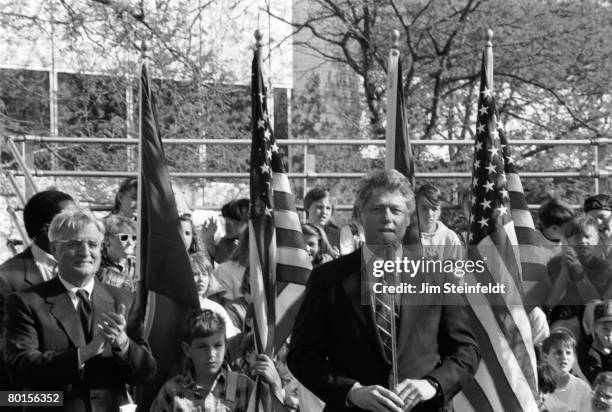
[139,194]
[392,100]
[489,57]
[392,86]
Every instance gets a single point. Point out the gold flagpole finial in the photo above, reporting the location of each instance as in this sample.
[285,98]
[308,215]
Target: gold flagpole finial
[144,50]
[258,38]
[489,38]
[394,37]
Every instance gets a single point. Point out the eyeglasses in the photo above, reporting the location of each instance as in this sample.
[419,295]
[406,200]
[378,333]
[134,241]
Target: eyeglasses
[76,244]
[124,237]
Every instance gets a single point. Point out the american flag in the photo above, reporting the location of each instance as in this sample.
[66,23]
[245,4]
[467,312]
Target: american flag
[276,244]
[500,221]
[399,153]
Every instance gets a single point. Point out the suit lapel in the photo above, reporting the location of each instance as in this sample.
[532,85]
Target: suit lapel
[62,309]
[356,288]
[101,302]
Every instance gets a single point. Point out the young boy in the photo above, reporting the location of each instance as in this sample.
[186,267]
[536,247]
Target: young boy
[595,350]
[572,394]
[554,215]
[209,386]
[438,241]
[602,393]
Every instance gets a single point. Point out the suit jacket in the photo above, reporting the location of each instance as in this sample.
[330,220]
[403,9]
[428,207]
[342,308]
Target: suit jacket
[17,273]
[43,332]
[335,343]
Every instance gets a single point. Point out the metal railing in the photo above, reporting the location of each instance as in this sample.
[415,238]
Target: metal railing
[596,173]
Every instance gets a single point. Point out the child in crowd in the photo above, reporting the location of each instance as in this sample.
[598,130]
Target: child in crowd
[126,199]
[599,207]
[319,207]
[317,245]
[236,216]
[572,394]
[438,241]
[554,215]
[579,275]
[602,393]
[547,383]
[118,264]
[595,350]
[208,384]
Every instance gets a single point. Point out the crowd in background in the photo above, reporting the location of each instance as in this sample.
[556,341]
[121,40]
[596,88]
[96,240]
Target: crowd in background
[571,327]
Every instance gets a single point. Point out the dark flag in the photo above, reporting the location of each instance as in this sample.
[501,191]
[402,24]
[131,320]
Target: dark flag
[169,291]
[279,263]
[399,153]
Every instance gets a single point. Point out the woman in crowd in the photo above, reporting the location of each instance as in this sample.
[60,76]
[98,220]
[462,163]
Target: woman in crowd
[126,199]
[236,216]
[118,265]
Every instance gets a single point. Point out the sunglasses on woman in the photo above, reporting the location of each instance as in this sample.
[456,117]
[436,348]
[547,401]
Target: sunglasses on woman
[124,237]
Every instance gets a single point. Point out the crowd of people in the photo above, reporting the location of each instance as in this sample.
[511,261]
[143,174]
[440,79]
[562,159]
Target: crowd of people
[66,301]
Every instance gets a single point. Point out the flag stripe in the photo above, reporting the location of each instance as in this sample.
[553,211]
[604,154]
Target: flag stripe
[289,239]
[482,327]
[286,219]
[510,318]
[514,390]
[280,185]
[473,398]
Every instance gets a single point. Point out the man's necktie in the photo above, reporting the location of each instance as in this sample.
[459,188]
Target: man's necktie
[85,313]
[386,309]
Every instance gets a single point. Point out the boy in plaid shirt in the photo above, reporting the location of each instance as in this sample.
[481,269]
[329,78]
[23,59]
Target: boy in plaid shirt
[209,386]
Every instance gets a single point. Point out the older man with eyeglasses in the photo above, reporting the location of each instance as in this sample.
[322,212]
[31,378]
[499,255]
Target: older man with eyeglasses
[70,333]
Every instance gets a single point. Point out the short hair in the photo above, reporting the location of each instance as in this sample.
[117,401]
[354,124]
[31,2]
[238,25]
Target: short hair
[597,202]
[603,378]
[41,209]
[547,377]
[555,212]
[431,193]
[73,220]
[558,338]
[237,209]
[202,324]
[114,224]
[390,180]
[314,195]
[125,186]
[579,225]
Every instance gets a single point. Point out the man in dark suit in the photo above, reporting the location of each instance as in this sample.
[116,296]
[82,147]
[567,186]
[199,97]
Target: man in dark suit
[69,334]
[337,349]
[35,264]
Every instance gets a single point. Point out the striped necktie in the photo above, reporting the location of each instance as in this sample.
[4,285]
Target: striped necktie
[385,309]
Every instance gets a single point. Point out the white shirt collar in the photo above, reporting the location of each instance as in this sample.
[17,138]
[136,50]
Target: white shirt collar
[45,262]
[72,289]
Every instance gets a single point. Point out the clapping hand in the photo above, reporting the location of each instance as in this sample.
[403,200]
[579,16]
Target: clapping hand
[113,327]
